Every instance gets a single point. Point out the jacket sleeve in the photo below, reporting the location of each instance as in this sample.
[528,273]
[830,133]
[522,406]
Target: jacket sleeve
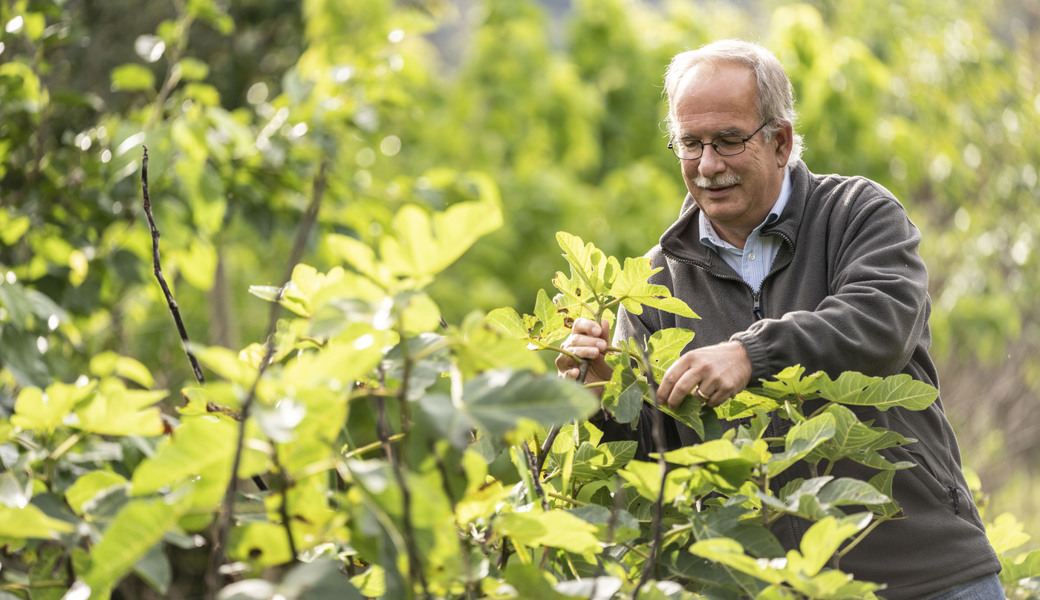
[875,311]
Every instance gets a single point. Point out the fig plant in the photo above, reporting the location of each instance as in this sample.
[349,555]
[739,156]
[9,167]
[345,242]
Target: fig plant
[405,457]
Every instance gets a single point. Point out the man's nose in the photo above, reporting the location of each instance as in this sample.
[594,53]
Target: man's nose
[711,162]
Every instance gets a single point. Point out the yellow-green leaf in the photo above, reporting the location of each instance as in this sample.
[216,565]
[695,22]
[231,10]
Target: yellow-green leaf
[29,522]
[556,529]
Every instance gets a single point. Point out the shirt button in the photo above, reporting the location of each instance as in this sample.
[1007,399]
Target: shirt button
[751,256]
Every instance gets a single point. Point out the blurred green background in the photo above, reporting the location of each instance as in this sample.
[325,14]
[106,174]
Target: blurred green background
[552,109]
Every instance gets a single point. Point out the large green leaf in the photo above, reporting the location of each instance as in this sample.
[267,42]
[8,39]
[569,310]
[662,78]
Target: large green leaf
[856,441]
[728,553]
[497,401]
[423,245]
[822,540]
[89,485]
[480,346]
[507,321]
[645,478]
[800,441]
[590,267]
[792,381]
[347,357]
[115,410]
[722,464]
[136,529]
[624,394]
[200,450]
[634,291]
[664,346]
[132,77]
[819,497]
[29,522]
[727,522]
[896,390]
[556,528]
[593,462]
[44,411]
[529,581]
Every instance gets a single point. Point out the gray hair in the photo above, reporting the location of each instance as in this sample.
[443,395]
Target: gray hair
[775,94]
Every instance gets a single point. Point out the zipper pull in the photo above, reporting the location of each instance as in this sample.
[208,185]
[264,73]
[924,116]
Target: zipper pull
[758,306]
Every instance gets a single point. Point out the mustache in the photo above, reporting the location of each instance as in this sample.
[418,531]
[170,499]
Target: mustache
[718,181]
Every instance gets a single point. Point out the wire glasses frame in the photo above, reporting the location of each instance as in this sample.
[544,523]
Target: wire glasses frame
[724,145]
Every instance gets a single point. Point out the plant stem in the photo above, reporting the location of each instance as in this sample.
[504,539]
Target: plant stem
[415,569]
[223,523]
[536,480]
[859,538]
[283,507]
[650,565]
[157,270]
[372,446]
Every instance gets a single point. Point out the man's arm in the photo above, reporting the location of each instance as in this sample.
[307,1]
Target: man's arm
[875,314]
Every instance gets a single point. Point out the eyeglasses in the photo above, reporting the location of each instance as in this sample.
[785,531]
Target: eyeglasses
[724,145]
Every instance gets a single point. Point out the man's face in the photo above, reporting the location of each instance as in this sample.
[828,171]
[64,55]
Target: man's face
[735,192]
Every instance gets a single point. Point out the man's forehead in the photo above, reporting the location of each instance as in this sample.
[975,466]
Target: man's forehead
[714,99]
[703,73]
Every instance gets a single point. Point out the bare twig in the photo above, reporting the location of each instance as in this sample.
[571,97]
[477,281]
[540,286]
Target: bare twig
[536,479]
[283,507]
[650,566]
[157,269]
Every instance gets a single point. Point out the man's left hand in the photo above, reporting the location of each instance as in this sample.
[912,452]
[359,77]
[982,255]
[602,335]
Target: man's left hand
[713,373]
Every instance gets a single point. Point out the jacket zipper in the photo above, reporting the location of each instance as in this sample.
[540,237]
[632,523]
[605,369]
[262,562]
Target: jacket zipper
[756,296]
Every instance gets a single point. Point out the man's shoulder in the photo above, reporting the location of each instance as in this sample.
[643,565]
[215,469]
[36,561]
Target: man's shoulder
[837,186]
[836,194]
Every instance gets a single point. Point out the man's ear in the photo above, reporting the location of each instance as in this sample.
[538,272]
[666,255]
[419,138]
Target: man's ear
[784,139]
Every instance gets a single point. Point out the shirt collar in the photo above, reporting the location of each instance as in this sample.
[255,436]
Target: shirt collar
[712,240]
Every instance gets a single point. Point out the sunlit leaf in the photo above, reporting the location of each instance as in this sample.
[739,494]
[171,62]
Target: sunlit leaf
[45,411]
[89,485]
[556,528]
[136,529]
[115,410]
[29,522]
[632,287]
[132,77]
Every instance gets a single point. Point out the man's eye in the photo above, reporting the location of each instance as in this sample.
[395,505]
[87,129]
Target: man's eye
[730,141]
[690,143]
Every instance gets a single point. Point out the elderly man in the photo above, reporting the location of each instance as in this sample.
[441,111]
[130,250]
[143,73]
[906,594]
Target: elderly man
[787,267]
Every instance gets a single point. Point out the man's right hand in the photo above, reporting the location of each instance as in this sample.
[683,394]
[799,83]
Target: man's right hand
[588,340]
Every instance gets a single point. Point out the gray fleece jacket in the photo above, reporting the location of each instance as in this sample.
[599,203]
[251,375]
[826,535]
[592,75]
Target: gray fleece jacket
[846,292]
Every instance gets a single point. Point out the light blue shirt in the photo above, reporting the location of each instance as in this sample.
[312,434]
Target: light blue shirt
[754,261]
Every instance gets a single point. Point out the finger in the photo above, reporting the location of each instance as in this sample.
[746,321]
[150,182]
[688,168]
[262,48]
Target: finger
[587,327]
[689,382]
[564,362]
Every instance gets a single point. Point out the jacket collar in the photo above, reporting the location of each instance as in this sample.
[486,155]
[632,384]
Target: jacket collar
[682,239]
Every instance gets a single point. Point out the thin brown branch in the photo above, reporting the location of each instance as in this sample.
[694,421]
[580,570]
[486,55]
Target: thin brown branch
[157,269]
[283,506]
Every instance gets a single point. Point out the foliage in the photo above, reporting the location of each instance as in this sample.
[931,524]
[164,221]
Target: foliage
[457,504]
[429,147]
